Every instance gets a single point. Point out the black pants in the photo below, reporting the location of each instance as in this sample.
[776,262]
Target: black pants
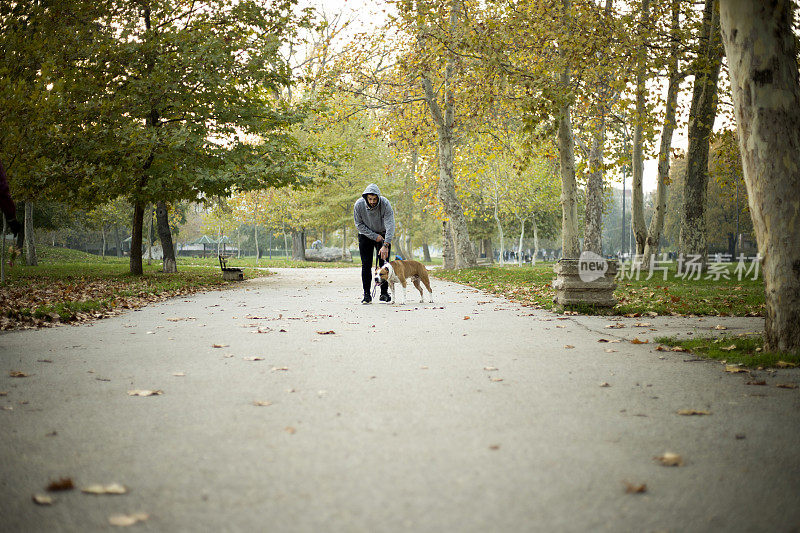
[367,248]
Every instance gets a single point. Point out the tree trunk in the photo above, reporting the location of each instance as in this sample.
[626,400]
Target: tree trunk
[165,235]
[117,240]
[3,252]
[637,156]
[701,122]
[344,240]
[426,252]
[30,242]
[657,220]
[255,239]
[535,240]
[448,254]
[519,248]
[299,245]
[464,252]
[150,236]
[500,232]
[593,223]
[103,232]
[136,239]
[238,242]
[761,53]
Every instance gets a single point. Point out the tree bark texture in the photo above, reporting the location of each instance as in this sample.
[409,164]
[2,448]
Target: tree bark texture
[535,240]
[637,157]
[30,242]
[500,232]
[570,247]
[657,220]
[448,253]
[702,113]
[593,217]
[426,252]
[136,239]
[521,237]
[761,52]
[165,235]
[299,245]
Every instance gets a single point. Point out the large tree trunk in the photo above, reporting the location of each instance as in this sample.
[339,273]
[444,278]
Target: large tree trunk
[426,252]
[761,53]
[448,254]
[30,242]
[569,201]
[150,236]
[464,252]
[165,235]
[136,239]
[3,252]
[702,113]
[637,157]
[299,245]
[593,223]
[657,220]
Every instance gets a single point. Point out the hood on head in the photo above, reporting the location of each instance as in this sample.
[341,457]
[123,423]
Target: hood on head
[371,189]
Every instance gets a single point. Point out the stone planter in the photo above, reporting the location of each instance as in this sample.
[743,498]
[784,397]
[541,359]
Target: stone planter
[595,287]
[327,255]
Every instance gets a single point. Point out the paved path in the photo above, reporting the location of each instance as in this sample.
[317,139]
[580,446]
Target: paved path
[396,422]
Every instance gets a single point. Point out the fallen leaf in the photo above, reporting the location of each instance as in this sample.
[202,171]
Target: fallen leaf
[616,325]
[111,488]
[637,341]
[568,346]
[679,349]
[605,384]
[253,358]
[290,430]
[227,356]
[496,379]
[258,403]
[179,374]
[43,499]
[220,345]
[631,488]
[466,318]
[761,382]
[4,393]
[670,459]
[660,348]
[65,483]
[44,360]
[728,348]
[734,369]
[124,520]
[602,340]
[145,392]
[282,369]
[784,364]
[642,325]
[424,367]
[17,374]
[609,350]
[692,412]
[786,385]
[490,368]
[720,327]
[330,332]
[494,447]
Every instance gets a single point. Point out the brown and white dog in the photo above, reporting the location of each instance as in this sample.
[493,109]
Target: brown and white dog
[401,271]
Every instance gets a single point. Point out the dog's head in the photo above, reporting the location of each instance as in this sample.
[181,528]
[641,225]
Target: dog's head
[382,273]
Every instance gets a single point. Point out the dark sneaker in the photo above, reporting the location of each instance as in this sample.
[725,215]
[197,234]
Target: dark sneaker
[385,298]
[367,299]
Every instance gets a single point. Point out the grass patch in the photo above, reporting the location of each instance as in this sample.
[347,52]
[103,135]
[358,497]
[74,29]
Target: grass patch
[532,285]
[745,350]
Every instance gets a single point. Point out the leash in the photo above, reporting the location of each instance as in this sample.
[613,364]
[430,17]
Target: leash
[377,264]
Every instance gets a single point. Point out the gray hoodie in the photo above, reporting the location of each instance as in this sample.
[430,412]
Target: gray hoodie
[371,221]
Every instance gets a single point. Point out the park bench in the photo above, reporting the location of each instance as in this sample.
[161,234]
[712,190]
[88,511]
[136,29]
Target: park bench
[229,273]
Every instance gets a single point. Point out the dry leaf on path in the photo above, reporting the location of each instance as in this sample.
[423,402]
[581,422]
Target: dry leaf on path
[279,369]
[784,364]
[670,459]
[637,341]
[111,488]
[756,382]
[679,349]
[734,369]
[631,488]
[258,403]
[124,520]
[65,483]
[17,374]
[253,358]
[720,327]
[330,332]
[728,348]
[290,430]
[692,412]
[616,325]
[602,340]
[220,345]
[179,374]
[145,392]
[605,384]
[490,368]
[43,499]
[466,318]
[568,346]
[642,325]
[496,380]
[786,385]
[609,350]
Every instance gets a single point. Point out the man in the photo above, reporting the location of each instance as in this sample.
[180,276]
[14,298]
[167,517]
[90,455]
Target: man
[374,220]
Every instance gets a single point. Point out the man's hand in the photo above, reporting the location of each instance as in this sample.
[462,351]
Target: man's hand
[384,252]
[379,239]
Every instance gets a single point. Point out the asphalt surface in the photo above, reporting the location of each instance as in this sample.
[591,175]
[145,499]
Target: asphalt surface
[467,414]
